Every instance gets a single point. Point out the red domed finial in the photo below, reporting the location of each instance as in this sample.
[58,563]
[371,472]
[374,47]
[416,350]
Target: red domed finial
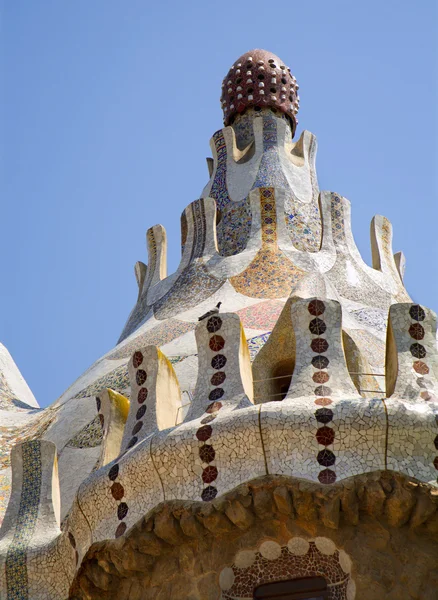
[259,79]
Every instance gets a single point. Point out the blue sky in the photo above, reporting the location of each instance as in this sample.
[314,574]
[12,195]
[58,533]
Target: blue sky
[107,109]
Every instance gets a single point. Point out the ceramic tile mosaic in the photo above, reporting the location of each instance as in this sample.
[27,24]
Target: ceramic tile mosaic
[285,266]
[270,274]
[117,379]
[299,558]
[159,335]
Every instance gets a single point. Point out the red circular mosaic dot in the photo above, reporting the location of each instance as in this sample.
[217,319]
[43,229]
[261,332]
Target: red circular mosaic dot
[421,367]
[216,343]
[219,361]
[120,529]
[137,427]
[141,412]
[113,472]
[209,474]
[137,359]
[213,407]
[319,345]
[325,436]
[142,395]
[132,442]
[140,377]
[417,313]
[416,331]
[320,377]
[320,362]
[214,324]
[326,458]
[323,401]
[327,476]
[316,308]
[122,510]
[323,390]
[418,350]
[323,415]
[117,491]
[209,493]
[204,433]
[317,326]
[207,453]
[216,394]
[218,378]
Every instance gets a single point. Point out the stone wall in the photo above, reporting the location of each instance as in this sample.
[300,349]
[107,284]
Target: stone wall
[374,536]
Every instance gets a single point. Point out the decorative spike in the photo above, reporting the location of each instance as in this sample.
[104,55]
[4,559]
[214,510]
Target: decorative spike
[412,390]
[156,239]
[382,256]
[30,542]
[113,409]
[400,263]
[140,270]
[155,396]
[320,367]
[411,361]
[210,165]
[224,372]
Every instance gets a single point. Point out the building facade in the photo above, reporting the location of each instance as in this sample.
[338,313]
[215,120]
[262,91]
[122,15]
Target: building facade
[284,446]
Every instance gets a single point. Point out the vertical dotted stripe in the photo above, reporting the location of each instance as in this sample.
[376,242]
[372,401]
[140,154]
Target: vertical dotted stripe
[325,434]
[16,565]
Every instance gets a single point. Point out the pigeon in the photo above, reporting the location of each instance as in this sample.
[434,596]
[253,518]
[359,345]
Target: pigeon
[210,313]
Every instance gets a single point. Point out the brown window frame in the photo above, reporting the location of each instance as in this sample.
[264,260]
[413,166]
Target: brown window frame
[303,588]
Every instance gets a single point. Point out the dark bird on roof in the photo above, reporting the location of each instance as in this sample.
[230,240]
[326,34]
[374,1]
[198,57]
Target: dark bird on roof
[210,313]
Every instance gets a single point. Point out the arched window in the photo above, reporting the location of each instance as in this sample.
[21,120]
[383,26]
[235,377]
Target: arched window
[306,588]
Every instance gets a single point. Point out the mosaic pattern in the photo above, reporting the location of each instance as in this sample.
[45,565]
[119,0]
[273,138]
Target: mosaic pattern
[270,274]
[303,221]
[5,492]
[140,393]
[299,558]
[207,452]
[255,344]
[234,218]
[117,379]
[414,331]
[371,317]
[35,429]
[161,334]
[90,436]
[16,567]
[263,315]
[195,284]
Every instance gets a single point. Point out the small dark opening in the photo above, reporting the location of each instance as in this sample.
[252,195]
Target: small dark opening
[238,80]
[307,588]
[261,76]
[250,90]
[283,80]
[257,108]
[273,90]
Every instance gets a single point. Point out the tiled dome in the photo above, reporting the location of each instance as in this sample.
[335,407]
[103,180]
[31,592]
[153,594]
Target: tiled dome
[259,79]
